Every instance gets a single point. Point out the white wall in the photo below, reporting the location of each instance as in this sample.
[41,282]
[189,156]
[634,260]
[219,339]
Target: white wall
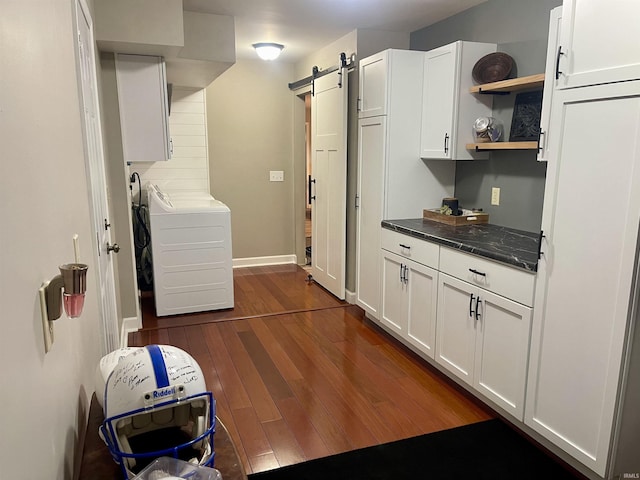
[43,202]
[188,169]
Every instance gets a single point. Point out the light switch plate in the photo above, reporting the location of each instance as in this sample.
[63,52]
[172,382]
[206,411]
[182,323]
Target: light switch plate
[276,176]
[495,196]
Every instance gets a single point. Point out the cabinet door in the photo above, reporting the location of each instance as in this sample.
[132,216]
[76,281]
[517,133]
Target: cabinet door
[394,310]
[422,297]
[502,350]
[456,326]
[373,85]
[597,45]
[438,102]
[371,152]
[142,98]
[584,278]
[550,83]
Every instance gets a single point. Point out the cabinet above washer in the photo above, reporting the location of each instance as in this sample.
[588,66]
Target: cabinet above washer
[144,108]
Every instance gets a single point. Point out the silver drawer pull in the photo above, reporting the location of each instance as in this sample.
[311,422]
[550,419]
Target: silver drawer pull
[405,246]
[482,274]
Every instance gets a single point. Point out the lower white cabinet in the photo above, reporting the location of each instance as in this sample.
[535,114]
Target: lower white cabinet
[483,339]
[409,289]
[471,315]
[409,295]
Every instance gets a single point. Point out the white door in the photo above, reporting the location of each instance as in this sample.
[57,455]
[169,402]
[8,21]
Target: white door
[550,83]
[422,296]
[597,45]
[329,167]
[502,351]
[438,101]
[456,326]
[394,310]
[371,154]
[373,89]
[94,159]
[584,279]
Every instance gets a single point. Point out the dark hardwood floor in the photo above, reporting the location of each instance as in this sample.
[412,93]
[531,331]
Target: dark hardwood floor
[298,374]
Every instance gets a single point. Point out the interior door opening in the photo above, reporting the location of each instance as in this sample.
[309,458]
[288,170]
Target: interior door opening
[309,178]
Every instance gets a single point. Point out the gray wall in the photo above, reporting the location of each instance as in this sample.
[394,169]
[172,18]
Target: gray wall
[520,28]
[250,126]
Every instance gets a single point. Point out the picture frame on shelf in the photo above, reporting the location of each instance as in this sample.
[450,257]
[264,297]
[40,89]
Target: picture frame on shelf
[525,122]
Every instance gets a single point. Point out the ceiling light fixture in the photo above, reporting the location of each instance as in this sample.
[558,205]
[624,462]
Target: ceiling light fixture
[267,50]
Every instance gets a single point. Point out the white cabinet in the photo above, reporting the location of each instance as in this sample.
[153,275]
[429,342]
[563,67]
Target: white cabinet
[409,289]
[371,159]
[393,182]
[597,43]
[144,109]
[374,83]
[448,110]
[482,337]
[550,83]
[585,277]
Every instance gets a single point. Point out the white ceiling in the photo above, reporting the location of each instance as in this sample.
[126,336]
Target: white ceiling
[305,26]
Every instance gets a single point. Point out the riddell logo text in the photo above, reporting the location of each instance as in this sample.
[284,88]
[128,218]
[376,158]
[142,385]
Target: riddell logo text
[167,392]
[631,475]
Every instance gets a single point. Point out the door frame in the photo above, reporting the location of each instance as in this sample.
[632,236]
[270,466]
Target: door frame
[107,301]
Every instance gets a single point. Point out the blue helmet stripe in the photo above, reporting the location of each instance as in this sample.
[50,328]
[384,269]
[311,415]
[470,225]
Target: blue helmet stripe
[159,367]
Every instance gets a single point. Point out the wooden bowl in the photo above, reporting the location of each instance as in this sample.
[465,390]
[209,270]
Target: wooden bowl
[492,68]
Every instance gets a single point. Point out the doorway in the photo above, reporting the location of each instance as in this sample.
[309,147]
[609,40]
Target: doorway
[308,176]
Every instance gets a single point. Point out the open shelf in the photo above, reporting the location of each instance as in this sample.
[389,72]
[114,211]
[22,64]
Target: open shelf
[502,146]
[512,85]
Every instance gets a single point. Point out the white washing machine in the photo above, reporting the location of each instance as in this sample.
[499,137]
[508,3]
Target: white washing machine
[191,252]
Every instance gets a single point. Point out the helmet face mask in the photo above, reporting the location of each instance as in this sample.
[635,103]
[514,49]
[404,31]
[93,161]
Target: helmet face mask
[156,404]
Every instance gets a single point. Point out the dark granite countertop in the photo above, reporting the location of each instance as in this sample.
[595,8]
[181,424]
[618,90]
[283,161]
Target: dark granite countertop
[513,247]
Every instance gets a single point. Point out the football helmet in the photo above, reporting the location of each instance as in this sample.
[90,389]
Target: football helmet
[156,404]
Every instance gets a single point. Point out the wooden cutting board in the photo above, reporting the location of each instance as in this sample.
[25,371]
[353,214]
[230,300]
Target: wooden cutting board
[455,220]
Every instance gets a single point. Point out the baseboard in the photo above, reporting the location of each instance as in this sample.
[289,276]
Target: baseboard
[263,261]
[350,296]
[131,324]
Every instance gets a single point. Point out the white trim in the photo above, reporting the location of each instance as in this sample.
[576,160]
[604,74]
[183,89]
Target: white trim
[350,296]
[130,324]
[263,261]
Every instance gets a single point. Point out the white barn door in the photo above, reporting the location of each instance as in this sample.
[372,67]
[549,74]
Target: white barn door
[329,167]
[94,160]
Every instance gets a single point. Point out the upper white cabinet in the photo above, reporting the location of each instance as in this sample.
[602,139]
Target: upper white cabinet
[550,83]
[598,43]
[144,108]
[448,111]
[583,302]
[393,182]
[374,81]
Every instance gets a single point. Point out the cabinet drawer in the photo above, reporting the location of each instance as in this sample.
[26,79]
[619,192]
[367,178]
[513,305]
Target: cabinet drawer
[509,282]
[420,251]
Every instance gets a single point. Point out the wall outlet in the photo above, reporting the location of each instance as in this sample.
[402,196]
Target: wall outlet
[276,176]
[495,196]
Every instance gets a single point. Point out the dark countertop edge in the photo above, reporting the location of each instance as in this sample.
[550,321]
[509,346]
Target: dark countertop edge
[506,259]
